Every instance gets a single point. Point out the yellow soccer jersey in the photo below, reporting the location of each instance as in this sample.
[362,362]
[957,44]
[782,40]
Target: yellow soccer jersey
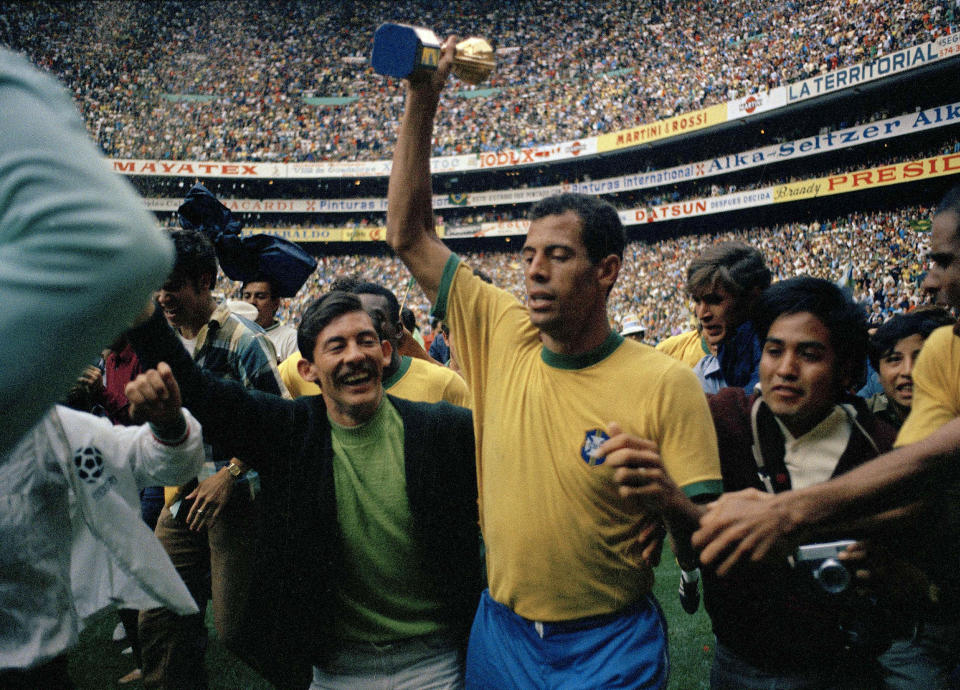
[421,381]
[295,383]
[561,542]
[687,347]
[936,387]
[416,380]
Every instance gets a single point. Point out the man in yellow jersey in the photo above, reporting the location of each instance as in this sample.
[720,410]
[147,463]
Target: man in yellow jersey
[689,347]
[747,525]
[555,390]
[404,376]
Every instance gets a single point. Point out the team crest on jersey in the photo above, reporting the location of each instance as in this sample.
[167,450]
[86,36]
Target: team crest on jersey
[591,442]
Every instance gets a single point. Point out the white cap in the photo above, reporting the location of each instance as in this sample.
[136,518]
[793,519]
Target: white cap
[244,309]
[631,325]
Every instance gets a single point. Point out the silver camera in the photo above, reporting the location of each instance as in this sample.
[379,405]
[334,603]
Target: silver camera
[820,560]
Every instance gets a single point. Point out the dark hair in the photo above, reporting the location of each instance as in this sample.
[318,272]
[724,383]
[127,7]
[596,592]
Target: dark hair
[950,202]
[195,257]
[409,320]
[736,266]
[922,322]
[358,287]
[318,316]
[845,320]
[602,232]
[262,278]
[482,276]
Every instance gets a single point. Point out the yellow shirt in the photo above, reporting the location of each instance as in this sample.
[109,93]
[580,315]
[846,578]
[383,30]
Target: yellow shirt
[561,542]
[936,387]
[416,379]
[295,383]
[420,381]
[687,347]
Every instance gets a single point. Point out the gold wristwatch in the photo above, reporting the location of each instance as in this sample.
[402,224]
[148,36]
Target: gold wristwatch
[235,470]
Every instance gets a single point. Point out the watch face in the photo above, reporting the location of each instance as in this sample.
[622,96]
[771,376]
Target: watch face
[234,470]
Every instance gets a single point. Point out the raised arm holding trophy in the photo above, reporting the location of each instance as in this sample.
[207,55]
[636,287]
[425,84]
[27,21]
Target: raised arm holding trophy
[407,52]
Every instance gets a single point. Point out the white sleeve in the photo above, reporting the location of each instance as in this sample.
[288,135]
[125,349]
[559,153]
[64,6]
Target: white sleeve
[159,463]
[136,449]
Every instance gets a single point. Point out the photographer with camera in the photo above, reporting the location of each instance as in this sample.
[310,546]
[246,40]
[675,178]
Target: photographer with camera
[804,621]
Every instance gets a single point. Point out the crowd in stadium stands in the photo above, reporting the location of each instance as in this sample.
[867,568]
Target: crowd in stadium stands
[878,254]
[228,80]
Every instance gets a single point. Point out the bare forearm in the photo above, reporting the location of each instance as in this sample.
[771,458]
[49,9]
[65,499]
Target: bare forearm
[410,227]
[874,488]
[409,195]
[681,522]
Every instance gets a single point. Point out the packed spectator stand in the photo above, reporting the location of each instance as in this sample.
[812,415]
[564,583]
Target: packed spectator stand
[235,80]
[243,81]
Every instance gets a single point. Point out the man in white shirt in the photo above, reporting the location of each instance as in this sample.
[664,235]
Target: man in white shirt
[71,538]
[262,293]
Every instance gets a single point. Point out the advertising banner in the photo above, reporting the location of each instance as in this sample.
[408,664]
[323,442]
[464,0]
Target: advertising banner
[757,103]
[909,123]
[878,67]
[663,129]
[841,183]
[910,171]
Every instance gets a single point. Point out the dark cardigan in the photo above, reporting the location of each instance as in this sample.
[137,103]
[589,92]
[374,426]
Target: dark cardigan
[764,613]
[288,624]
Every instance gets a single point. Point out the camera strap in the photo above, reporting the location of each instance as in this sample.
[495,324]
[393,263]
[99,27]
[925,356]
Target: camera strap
[762,473]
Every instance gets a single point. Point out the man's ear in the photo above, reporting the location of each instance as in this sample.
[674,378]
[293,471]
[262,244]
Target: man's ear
[205,281]
[306,370]
[387,352]
[608,268]
[845,376]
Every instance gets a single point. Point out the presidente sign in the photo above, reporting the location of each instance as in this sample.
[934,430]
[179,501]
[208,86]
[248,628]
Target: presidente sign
[869,178]
[909,123]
